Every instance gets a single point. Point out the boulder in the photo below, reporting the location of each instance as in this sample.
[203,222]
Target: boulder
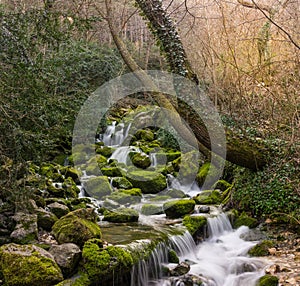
[111,171]
[208,197]
[124,197]
[26,229]
[105,264]
[178,208]
[207,172]
[98,187]
[180,269]
[121,215]
[67,256]
[262,248]
[151,209]
[268,280]
[194,223]
[45,219]
[140,160]
[28,265]
[121,183]
[246,220]
[149,182]
[58,209]
[77,227]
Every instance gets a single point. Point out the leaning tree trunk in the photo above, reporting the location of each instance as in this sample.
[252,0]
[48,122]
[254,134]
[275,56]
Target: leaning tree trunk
[240,151]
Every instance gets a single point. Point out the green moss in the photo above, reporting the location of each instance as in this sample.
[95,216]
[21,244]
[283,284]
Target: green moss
[175,193]
[222,185]
[160,198]
[111,171]
[131,196]
[206,172]
[121,183]
[140,160]
[145,134]
[178,208]
[261,249]
[98,187]
[208,197]
[149,182]
[103,264]
[25,265]
[121,215]
[75,228]
[246,220]
[150,209]
[268,280]
[172,256]
[194,223]
[104,150]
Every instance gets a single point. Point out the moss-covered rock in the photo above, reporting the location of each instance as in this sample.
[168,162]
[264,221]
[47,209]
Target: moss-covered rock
[121,183]
[121,215]
[26,230]
[246,220]
[123,197]
[70,172]
[144,134]
[194,223]
[104,150]
[77,227]
[149,182]
[268,280]
[151,209]
[178,208]
[222,185]
[174,193]
[28,265]
[262,248]
[111,171]
[105,264]
[98,187]
[140,160]
[208,197]
[70,187]
[45,219]
[207,172]
[58,209]
[172,256]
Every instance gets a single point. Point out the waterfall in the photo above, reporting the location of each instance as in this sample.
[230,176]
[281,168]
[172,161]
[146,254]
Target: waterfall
[147,272]
[221,260]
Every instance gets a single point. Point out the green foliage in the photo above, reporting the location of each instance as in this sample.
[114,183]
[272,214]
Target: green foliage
[271,190]
[244,219]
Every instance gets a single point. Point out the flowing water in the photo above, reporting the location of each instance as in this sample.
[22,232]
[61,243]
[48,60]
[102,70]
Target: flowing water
[221,260]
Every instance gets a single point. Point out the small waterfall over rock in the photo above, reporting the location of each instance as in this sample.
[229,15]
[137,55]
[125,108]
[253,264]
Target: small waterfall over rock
[221,260]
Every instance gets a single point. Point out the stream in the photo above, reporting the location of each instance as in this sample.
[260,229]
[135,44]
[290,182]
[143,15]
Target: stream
[220,260]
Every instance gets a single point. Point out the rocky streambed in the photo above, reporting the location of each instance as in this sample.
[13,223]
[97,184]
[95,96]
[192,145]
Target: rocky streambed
[130,215]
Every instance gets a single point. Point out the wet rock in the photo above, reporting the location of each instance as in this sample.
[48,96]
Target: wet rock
[105,264]
[262,248]
[67,256]
[204,209]
[194,224]
[180,269]
[58,209]
[208,173]
[121,215]
[186,280]
[172,256]
[178,208]
[268,280]
[111,171]
[173,193]
[149,182]
[28,265]
[121,183]
[26,230]
[98,187]
[126,197]
[151,209]
[77,227]
[208,197]
[140,160]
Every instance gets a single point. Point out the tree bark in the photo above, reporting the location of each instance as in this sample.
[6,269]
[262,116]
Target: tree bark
[240,151]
